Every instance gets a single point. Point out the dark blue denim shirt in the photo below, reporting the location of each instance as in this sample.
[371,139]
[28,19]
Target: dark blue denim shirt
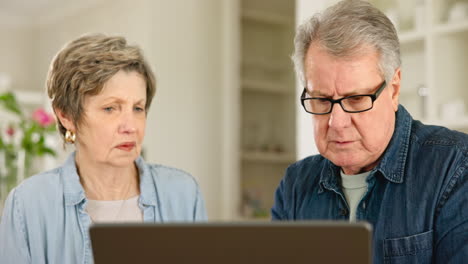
[416,200]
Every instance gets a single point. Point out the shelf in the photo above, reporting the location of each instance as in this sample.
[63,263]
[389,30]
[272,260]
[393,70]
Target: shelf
[270,66]
[267,18]
[264,86]
[268,157]
[408,37]
[267,90]
[452,27]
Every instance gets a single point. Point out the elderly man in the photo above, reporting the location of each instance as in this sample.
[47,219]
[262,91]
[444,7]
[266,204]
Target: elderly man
[376,163]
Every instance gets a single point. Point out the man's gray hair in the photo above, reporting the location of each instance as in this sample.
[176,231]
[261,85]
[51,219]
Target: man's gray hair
[346,30]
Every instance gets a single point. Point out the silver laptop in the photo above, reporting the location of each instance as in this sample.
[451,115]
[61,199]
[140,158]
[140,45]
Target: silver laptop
[226,243]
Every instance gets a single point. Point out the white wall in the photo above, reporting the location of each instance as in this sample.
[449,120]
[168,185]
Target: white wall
[15,55]
[183,42]
[185,126]
[304,130]
[111,17]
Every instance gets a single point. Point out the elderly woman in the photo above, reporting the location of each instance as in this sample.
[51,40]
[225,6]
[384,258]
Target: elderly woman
[101,90]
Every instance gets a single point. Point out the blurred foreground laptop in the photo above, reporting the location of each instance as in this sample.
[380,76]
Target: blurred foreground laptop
[225,243]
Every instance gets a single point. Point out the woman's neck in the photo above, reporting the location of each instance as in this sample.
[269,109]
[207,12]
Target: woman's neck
[106,182]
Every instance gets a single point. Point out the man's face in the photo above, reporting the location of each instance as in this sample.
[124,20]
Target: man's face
[352,141]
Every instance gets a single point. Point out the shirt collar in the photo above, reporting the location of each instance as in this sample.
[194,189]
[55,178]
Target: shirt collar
[74,192]
[392,164]
[148,195]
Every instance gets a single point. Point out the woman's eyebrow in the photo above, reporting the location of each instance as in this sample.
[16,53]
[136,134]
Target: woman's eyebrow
[120,100]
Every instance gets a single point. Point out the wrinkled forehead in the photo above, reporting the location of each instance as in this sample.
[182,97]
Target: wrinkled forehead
[324,71]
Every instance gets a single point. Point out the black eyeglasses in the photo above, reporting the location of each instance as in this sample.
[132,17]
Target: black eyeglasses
[351,104]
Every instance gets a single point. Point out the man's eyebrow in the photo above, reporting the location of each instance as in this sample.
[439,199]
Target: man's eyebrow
[318,93]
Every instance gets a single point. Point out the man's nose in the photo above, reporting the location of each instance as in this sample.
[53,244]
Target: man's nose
[338,117]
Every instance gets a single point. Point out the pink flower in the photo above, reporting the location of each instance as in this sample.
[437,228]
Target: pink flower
[42,117]
[10,131]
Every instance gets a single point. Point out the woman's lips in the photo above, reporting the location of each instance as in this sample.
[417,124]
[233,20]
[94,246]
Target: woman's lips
[127,146]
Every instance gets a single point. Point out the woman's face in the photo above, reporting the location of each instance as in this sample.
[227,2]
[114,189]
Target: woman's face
[114,123]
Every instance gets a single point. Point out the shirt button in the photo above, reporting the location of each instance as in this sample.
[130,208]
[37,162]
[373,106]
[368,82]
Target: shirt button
[363,205]
[343,212]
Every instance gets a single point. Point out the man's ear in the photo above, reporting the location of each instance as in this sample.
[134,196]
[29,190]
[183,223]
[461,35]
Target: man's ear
[65,120]
[395,84]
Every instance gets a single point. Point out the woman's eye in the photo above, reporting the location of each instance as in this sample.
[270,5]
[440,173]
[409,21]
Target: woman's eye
[108,109]
[139,109]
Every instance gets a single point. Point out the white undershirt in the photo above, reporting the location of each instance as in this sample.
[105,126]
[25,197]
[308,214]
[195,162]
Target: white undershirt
[115,211]
[354,187]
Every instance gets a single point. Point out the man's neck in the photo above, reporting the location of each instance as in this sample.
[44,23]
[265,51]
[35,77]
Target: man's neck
[359,170]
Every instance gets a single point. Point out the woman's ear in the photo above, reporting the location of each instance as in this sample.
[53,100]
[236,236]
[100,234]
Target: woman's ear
[65,120]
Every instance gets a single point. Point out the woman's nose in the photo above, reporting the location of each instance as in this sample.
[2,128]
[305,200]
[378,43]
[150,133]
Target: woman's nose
[127,123]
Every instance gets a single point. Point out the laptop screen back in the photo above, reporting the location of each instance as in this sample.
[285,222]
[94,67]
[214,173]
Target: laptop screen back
[250,242]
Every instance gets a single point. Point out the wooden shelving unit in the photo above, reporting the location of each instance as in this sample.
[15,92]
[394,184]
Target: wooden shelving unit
[268,103]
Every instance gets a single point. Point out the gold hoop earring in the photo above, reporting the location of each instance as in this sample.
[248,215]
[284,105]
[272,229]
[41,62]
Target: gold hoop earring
[70,137]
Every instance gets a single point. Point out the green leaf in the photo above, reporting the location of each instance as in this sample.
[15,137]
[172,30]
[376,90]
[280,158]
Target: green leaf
[46,150]
[9,102]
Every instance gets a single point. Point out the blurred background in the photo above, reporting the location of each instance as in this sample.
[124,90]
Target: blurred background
[226,108]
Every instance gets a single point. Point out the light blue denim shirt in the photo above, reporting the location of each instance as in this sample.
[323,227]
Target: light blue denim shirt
[44,219]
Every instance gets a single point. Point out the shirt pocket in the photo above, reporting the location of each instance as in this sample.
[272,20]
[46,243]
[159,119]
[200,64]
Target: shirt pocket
[411,249]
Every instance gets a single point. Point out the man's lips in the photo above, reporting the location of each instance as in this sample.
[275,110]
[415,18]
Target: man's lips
[342,142]
[126,146]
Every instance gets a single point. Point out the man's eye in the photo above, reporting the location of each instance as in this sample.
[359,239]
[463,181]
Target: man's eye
[139,109]
[322,100]
[108,109]
[356,98]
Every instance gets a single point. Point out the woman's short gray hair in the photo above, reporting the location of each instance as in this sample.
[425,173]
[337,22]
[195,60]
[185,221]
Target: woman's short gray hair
[85,64]
[347,29]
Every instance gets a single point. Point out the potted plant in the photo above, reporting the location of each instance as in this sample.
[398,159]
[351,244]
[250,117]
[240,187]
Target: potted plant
[21,142]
